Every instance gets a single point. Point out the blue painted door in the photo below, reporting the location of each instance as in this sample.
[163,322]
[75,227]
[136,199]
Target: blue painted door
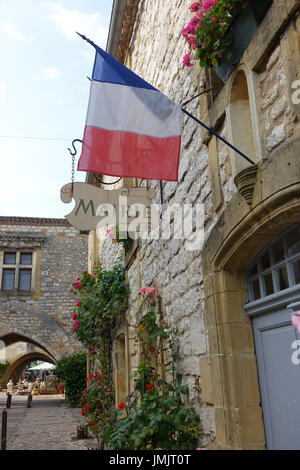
[278,358]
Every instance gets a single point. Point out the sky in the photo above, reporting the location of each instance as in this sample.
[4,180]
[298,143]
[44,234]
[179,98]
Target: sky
[44,92]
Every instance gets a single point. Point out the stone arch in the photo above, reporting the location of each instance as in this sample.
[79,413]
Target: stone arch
[37,328]
[18,365]
[18,335]
[236,239]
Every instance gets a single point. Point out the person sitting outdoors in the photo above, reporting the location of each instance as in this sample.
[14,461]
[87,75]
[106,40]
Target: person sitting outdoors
[10,387]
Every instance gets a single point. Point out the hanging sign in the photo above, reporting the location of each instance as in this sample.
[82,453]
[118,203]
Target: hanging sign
[97,207]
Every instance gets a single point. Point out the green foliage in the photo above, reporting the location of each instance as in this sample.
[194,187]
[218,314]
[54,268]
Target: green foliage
[71,370]
[156,416]
[102,297]
[3,367]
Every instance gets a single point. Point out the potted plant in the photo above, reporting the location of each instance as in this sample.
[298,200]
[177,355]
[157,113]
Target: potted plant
[42,389]
[220,31]
[82,431]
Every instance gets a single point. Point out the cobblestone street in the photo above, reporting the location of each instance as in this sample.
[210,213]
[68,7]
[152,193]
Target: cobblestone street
[48,425]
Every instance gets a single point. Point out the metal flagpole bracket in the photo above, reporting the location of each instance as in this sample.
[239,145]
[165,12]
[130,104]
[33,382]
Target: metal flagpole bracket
[161,193]
[218,136]
[74,153]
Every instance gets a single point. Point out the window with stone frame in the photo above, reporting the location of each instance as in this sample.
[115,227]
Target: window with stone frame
[276,267]
[16,270]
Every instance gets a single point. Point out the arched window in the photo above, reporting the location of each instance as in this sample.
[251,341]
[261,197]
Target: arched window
[277,267]
[240,123]
[121,369]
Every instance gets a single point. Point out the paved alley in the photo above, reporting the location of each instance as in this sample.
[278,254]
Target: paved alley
[48,425]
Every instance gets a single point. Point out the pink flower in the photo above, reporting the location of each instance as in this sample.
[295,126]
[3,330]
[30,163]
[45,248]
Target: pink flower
[187,60]
[208,4]
[74,316]
[195,6]
[151,291]
[192,42]
[78,303]
[296,321]
[72,290]
[76,325]
[92,352]
[142,290]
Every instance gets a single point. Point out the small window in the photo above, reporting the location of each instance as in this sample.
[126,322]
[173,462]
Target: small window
[26,258]
[16,271]
[10,258]
[277,267]
[25,279]
[8,279]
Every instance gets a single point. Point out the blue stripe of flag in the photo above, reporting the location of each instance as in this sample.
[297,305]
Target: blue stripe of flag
[108,69]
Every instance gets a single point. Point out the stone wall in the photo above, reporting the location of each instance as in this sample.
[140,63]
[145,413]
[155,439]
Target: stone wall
[278,116]
[155,53]
[44,315]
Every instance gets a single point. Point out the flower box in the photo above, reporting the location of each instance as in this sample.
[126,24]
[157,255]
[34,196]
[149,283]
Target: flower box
[220,31]
[242,29]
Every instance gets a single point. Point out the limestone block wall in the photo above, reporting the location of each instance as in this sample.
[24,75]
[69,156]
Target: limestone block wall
[278,116]
[155,53]
[44,315]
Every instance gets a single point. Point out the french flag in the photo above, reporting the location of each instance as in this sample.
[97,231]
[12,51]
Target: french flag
[132,130]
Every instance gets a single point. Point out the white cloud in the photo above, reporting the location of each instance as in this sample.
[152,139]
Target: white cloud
[70,21]
[11,30]
[51,73]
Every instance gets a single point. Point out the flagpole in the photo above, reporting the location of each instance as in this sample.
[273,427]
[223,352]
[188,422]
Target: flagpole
[192,117]
[217,135]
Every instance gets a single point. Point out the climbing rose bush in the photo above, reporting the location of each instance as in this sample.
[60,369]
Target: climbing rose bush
[101,298]
[154,415]
[97,401]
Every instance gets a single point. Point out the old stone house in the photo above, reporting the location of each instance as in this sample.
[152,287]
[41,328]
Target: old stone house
[232,300]
[39,260]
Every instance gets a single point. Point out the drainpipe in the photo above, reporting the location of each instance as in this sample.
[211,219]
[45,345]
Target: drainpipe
[115,27]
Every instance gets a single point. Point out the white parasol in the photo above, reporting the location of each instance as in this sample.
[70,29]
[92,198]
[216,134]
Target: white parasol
[43,366]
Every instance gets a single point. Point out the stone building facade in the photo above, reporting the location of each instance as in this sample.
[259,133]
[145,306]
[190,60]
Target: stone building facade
[39,260]
[245,208]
